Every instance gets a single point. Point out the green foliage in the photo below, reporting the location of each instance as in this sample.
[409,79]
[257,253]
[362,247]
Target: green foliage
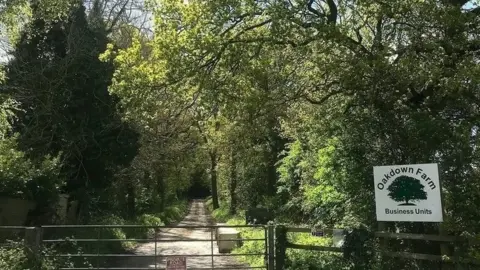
[302,259]
[222,214]
[283,104]
[107,233]
[64,106]
[360,249]
[251,246]
[23,178]
[15,256]
[146,220]
[174,212]
[20,176]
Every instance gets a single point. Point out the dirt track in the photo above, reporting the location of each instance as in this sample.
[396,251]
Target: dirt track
[197,216]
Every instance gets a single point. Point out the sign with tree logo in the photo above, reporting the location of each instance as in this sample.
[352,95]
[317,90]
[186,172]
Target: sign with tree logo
[408,193]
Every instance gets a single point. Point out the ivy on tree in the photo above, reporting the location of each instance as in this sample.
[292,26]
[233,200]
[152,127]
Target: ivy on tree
[406,189]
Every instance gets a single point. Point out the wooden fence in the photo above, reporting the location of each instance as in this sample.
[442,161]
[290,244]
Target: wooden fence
[452,259]
[456,257]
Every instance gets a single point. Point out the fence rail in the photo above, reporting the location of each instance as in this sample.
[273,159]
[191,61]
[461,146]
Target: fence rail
[36,238]
[443,239]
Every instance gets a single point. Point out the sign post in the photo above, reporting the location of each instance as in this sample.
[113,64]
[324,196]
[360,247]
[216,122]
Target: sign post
[408,193]
[176,263]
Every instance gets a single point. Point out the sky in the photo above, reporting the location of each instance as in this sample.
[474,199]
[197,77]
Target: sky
[138,13]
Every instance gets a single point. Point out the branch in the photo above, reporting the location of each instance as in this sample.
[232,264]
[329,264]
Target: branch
[332,16]
[456,2]
[323,99]
[475,11]
[238,20]
[311,9]
[378,33]
[115,20]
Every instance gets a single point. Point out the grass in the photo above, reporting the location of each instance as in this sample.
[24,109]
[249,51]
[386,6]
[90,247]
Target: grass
[305,259]
[222,215]
[296,259]
[249,247]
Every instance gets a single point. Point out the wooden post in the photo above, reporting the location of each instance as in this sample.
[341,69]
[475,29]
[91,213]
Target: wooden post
[271,247]
[280,247]
[444,251]
[382,227]
[33,241]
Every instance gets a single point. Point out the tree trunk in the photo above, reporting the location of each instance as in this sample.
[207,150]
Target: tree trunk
[213,178]
[161,189]
[233,184]
[130,200]
[277,145]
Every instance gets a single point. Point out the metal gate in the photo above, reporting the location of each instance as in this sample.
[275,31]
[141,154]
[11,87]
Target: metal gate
[74,248]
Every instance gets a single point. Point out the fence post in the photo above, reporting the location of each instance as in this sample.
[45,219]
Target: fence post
[271,247]
[280,246]
[382,227]
[33,241]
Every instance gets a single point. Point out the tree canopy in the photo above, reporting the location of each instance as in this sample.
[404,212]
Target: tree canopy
[281,104]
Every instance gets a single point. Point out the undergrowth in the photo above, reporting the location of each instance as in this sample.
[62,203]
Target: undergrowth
[295,259]
[221,215]
[13,255]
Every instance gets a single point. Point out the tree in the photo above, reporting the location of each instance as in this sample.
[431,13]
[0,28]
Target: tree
[66,109]
[407,189]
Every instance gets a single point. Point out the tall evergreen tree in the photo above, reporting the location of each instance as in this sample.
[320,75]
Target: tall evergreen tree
[63,89]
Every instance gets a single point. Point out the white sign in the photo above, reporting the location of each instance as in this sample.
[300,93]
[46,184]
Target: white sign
[176,263]
[408,193]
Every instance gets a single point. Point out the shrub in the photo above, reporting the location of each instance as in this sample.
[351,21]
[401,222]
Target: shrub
[249,247]
[221,214]
[25,179]
[14,256]
[209,203]
[112,233]
[105,247]
[144,233]
[296,259]
[305,259]
[175,212]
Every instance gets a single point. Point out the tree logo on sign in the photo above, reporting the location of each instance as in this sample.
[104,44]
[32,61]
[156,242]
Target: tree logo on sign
[406,189]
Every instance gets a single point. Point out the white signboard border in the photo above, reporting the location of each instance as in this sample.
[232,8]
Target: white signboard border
[423,210]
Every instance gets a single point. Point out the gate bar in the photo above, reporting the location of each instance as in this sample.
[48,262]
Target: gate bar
[211,237]
[161,256]
[147,226]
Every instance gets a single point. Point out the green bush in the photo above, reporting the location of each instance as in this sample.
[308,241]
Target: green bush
[222,214]
[144,233]
[305,259]
[25,179]
[296,259]
[249,247]
[209,203]
[112,233]
[21,177]
[14,256]
[175,212]
[103,247]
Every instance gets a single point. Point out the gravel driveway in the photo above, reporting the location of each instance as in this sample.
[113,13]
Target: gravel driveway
[197,216]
